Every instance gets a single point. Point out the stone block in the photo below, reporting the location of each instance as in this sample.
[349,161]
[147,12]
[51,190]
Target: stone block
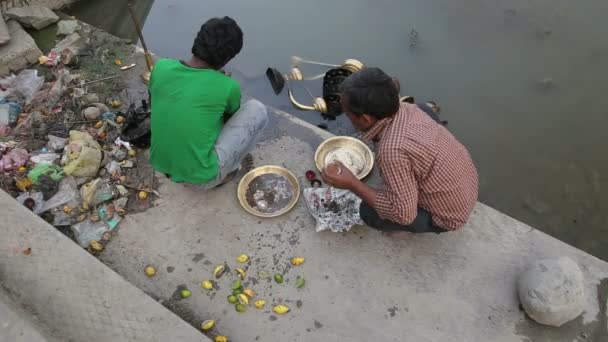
[4,35]
[552,291]
[37,17]
[20,51]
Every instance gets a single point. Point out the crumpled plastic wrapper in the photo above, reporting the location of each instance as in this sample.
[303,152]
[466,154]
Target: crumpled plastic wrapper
[333,209]
[82,156]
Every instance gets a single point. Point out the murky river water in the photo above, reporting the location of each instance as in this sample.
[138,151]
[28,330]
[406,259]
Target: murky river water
[522,83]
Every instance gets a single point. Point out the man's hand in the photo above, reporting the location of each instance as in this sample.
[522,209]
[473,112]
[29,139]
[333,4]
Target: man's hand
[339,176]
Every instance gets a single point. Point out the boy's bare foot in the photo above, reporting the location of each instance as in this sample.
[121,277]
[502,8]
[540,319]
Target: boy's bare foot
[246,166]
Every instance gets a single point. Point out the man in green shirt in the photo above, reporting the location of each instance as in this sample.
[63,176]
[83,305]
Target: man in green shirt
[200,131]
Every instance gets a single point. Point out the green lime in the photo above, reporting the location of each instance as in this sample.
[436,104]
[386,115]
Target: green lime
[240,307]
[232,299]
[300,283]
[237,285]
[186,293]
[278,278]
[237,292]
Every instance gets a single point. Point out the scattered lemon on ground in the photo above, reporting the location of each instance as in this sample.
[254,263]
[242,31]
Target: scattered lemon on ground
[278,278]
[297,261]
[207,285]
[221,338]
[118,62]
[243,299]
[218,271]
[232,299]
[300,282]
[259,303]
[249,293]
[207,325]
[132,152]
[280,309]
[150,271]
[240,307]
[241,272]
[242,258]
[96,246]
[142,195]
[186,293]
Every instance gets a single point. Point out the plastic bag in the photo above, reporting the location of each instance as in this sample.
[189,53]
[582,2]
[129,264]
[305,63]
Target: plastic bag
[9,112]
[4,131]
[82,155]
[56,144]
[333,209]
[38,198]
[88,230]
[113,167]
[67,193]
[63,79]
[51,170]
[44,158]
[87,191]
[21,88]
[14,159]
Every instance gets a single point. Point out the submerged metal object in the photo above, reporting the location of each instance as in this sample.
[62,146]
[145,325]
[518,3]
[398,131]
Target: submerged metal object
[256,199]
[329,104]
[348,145]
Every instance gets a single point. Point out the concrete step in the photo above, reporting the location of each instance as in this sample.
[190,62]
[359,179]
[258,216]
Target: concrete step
[360,285]
[68,293]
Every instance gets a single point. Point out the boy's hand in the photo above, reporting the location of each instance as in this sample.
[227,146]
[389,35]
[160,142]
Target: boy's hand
[338,176]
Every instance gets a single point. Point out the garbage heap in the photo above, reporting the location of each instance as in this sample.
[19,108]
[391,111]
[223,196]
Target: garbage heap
[75,157]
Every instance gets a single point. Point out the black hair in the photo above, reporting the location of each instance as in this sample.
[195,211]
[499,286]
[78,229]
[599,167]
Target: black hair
[370,91]
[218,41]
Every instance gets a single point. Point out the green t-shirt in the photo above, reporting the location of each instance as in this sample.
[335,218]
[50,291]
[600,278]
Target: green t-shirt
[188,108]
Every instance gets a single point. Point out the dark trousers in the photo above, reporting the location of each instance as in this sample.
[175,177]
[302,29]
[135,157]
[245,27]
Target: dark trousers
[422,224]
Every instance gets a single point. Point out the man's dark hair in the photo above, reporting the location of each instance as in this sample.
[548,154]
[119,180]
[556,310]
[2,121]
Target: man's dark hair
[370,91]
[218,41]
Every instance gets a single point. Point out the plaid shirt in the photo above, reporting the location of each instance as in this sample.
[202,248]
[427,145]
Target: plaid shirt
[422,165]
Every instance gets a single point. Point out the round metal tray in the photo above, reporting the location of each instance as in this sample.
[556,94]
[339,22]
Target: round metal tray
[269,169]
[354,145]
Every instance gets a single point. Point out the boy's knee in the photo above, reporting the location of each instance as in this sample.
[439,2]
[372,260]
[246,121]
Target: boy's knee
[258,110]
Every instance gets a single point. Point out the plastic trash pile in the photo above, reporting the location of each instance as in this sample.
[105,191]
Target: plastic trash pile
[65,154]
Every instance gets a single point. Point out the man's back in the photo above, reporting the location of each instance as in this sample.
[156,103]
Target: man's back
[188,107]
[441,169]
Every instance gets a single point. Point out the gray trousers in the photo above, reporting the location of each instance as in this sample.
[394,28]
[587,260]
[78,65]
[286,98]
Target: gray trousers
[238,137]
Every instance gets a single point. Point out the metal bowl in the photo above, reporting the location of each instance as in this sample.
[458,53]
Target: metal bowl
[269,169]
[354,145]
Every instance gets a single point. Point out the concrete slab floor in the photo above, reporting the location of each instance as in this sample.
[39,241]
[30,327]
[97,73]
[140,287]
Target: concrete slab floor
[360,285]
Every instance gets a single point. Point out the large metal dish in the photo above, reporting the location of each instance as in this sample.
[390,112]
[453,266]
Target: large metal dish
[269,169]
[354,145]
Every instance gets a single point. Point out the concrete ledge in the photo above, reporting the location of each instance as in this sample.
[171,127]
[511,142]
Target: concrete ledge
[70,292]
[360,285]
